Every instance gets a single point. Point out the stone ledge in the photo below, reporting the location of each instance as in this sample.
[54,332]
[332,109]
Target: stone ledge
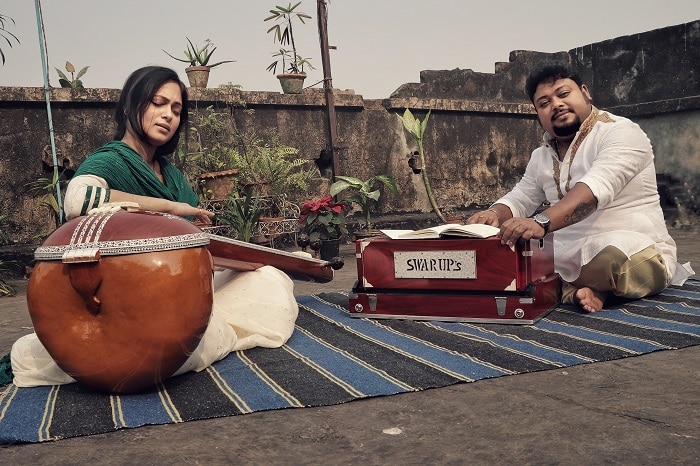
[232,96]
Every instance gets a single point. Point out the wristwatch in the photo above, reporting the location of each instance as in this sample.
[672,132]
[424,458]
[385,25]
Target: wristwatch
[542,220]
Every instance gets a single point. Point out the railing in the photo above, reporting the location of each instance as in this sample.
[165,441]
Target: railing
[279,217]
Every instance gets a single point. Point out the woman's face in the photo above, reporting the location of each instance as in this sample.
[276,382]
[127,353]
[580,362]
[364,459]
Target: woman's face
[161,118]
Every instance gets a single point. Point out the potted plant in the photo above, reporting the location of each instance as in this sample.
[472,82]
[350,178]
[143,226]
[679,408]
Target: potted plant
[363,194]
[198,58]
[272,167]
[74,82]
[292,64]
[6,35]
[242,215]
[207,158]
[324,220]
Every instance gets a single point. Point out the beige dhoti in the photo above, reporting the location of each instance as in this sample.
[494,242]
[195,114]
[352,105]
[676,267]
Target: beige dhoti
[611,271]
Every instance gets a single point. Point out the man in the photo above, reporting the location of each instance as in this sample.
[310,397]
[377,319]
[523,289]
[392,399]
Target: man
[596,171]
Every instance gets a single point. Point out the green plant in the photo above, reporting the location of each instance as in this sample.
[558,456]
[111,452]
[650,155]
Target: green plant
[205,149]
[45,189]
[209,147]
[74,82]
[6,35]
[5,270]
[323,219]
[362,192]
[272,165]
[416,129]
[242,214]
[283,33]
[199,56]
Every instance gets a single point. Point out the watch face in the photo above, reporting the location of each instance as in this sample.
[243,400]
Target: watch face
[543,221]
[541,218]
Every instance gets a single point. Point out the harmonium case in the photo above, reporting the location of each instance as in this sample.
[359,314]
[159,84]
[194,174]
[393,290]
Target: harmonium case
[465,279]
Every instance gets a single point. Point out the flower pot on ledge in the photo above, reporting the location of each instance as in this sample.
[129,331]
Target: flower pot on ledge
[292,83]
[198,76]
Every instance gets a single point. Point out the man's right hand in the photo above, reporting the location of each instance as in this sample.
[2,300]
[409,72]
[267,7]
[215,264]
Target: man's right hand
[489,217]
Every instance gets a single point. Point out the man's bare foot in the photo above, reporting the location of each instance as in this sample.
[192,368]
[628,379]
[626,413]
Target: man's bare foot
[589,300]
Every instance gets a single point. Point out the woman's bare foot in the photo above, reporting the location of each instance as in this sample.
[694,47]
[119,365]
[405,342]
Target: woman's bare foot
[589,300]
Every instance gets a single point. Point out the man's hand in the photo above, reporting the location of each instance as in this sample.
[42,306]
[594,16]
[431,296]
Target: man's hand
[488,217]
[520,227]
[494,215]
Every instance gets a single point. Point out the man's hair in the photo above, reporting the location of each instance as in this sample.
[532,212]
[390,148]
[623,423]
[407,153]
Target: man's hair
[137,94]
[550,71]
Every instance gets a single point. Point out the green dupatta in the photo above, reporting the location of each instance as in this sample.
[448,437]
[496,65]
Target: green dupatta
[125,170]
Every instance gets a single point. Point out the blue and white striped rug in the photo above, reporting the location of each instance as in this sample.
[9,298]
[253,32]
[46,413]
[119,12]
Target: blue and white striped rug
[333,358]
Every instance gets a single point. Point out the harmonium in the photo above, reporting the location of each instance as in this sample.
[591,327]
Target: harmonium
[447,279]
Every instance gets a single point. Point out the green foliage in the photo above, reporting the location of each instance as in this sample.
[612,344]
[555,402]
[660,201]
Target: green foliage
[323,219]
[209,148]
[274,165]
[5,271]
[416,129]
[45,189]
[74,82]
[199,56]
[242,214]
[204,148]
[283,33]
[413,125]
[363,193]
[6,35]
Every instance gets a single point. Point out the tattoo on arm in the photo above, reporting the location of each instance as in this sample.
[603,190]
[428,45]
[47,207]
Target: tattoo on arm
[581,211]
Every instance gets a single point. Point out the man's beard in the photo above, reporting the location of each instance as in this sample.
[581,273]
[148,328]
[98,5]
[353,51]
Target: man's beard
[568,130]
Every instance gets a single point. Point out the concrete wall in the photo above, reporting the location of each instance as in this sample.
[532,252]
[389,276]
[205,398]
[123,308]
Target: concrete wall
[481,131]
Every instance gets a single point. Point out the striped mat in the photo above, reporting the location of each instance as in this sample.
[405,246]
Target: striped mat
[333,358]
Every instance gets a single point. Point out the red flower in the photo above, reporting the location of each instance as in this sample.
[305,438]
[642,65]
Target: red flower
[324,215]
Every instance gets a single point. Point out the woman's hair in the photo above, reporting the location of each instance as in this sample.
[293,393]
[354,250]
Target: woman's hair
[550,71]
[137,94]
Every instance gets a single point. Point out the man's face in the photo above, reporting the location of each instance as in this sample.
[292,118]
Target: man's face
[561,106]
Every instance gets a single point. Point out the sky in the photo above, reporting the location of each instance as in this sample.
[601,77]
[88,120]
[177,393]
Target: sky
[380,44]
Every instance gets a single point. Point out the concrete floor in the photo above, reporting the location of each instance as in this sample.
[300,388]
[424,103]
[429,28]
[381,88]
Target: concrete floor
[640,410]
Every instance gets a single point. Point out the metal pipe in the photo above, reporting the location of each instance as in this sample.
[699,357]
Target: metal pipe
[47,95]
[322,12]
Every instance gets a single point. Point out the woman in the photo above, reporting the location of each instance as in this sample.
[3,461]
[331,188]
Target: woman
[250,308]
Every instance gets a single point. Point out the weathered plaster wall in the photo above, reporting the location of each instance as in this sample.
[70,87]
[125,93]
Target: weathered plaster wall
[481,130]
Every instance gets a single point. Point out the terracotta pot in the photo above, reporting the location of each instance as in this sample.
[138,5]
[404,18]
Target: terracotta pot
[359,234]
[292,83]
[219,184]
[198,76]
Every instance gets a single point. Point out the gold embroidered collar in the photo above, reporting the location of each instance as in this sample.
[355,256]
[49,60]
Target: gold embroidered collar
[586,128]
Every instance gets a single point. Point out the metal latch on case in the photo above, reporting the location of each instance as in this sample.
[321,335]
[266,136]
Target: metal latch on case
[501,305]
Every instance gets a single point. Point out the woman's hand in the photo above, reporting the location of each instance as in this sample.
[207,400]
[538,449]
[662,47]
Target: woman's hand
[183,209]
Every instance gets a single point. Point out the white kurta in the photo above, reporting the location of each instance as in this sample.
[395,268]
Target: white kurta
[615,160]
